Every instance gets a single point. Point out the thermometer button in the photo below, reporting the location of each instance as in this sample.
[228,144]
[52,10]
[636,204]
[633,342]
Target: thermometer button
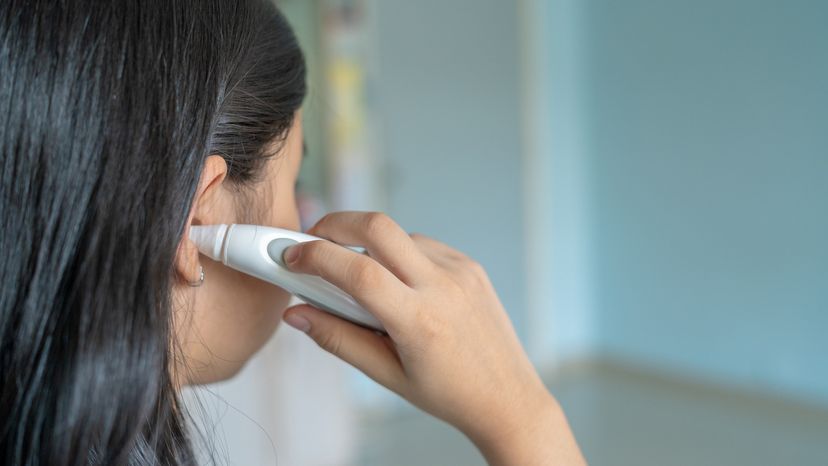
[276,248]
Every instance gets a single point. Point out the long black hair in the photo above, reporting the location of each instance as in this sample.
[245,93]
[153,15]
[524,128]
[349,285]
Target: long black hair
[107,112]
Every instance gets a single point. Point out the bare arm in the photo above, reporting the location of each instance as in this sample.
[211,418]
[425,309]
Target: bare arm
[540,437]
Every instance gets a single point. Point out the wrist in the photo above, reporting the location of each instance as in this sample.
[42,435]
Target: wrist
[535,433]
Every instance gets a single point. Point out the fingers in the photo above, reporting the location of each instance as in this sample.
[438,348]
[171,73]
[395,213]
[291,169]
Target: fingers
[384,240]
[368,282]
[362,348]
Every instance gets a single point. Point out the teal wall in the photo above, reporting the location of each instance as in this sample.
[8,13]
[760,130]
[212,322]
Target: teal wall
[707,124]
[558,178]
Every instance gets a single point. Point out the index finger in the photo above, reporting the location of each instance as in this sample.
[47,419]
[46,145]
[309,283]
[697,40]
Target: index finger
[384,240]
[368,282]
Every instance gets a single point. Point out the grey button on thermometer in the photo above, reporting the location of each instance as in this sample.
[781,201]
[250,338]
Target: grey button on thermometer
[255,249]
[276,249]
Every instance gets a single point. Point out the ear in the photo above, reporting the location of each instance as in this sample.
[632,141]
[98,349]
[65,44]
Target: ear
[210,206]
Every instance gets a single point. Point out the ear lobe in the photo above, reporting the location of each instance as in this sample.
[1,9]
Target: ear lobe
[206,210]
[187,261]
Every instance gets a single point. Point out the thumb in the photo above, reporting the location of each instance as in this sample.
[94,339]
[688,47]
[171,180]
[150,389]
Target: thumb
[371,353]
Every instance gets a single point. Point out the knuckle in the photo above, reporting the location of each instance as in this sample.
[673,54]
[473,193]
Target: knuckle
[362,273]
[330,342]
[422,237]
[472,274]
[429,328]
[476,268]
[321,223]
[459,258]
[422,242]
[377,223]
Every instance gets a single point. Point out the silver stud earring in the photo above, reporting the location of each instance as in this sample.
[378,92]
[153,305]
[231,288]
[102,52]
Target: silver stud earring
[200,279]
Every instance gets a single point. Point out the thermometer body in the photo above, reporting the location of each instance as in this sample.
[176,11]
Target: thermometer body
[257,250]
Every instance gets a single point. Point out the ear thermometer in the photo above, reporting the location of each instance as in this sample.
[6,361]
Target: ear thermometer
[257,250]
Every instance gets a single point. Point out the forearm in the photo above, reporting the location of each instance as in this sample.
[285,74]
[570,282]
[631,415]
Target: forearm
[540,436]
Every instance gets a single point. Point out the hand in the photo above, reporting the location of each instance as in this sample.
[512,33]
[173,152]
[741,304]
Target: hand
[450,350]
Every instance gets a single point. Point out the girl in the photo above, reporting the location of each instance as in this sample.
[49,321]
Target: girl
[122,124]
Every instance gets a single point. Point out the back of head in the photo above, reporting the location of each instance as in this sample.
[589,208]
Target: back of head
[107,112]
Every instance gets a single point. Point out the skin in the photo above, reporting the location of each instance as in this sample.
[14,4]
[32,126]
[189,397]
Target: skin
[433,300]
[220,324]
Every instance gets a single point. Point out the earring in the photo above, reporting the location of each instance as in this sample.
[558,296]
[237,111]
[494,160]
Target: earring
[200,279]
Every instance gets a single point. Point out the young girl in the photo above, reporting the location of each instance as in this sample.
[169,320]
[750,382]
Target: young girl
[122,124]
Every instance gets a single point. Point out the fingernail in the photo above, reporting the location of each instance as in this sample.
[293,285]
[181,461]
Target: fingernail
[291,254]
[298,322]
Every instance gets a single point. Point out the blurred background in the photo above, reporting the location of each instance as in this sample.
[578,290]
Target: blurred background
[645,182]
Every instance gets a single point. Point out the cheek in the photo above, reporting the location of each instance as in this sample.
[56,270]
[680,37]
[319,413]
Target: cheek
[257,306]
[262,304]
[269,304]
[280,210]
[276,199]
[277,209]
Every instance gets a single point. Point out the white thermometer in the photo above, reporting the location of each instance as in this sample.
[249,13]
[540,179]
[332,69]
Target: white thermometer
[257,250]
